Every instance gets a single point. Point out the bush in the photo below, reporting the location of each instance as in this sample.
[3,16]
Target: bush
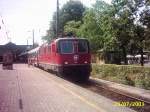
[126,74]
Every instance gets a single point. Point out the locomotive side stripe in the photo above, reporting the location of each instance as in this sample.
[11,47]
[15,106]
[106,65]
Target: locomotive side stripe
[62,65]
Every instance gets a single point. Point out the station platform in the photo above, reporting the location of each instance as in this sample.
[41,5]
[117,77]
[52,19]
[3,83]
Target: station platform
[29,89]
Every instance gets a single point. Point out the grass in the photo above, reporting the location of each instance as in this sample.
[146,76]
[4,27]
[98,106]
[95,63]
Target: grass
[125,74]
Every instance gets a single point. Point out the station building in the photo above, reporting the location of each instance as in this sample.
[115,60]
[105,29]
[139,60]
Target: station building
[16,50]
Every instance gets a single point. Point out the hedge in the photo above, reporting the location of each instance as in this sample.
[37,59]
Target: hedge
[126,74]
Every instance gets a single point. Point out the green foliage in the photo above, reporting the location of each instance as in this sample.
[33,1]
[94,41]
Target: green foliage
[72,27]
[125,74]
[128,26]
[91,30]
[104,17]
[71,11]
[145,21]
[122,26]
[97,26]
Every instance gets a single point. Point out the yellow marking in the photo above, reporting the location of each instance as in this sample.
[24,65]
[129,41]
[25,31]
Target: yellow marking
[83,99]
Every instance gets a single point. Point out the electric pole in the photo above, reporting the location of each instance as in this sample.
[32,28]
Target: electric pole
[57,19]
[27,42]
[33,37]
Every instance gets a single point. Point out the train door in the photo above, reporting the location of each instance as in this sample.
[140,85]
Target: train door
[53,53]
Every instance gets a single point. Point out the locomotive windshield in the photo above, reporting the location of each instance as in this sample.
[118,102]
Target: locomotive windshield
[82,46]
[66,46]
[72,46]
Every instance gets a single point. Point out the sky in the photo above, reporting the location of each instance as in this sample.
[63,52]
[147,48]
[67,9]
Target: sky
[18,18]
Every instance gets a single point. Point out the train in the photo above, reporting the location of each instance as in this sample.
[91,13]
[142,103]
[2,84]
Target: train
[64,56]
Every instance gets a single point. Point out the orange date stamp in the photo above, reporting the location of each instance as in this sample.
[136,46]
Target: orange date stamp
[129,104]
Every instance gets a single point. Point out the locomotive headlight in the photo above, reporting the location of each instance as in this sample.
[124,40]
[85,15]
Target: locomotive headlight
[66,62]
[85,62]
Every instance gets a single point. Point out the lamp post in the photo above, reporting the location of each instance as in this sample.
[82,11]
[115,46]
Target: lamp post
[27,42]
[32,38]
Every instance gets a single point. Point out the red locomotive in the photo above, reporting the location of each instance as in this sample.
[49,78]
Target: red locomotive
[64,56]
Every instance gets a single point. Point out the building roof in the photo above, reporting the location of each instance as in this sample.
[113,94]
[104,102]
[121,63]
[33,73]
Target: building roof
[35,50]
[12,47]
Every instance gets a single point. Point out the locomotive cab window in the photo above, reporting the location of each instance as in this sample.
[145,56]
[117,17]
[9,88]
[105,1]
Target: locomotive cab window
[66,47]
[82,46]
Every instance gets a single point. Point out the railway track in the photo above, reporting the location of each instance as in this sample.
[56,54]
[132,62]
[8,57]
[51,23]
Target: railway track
[116,96]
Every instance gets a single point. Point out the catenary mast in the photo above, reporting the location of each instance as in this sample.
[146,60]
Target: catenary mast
[57,19]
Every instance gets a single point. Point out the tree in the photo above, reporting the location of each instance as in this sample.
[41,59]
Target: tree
[104,16]
[71,11]
[72,27]
[130,31]
[145,21]
[96,26]
[91,30]
[123,25]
